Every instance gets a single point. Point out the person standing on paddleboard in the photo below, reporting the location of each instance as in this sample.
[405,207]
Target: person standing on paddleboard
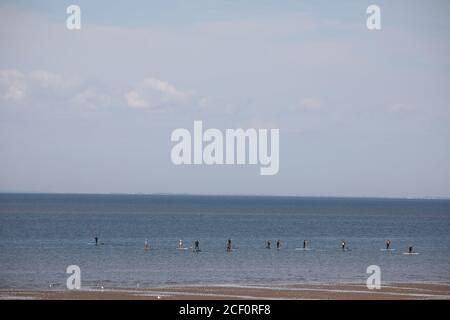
[196,246]
[229,245]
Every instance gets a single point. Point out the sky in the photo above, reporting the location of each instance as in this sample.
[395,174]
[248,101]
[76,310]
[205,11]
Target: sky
[361,113]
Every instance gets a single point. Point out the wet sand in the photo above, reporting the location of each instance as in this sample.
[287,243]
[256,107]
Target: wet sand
[393,291]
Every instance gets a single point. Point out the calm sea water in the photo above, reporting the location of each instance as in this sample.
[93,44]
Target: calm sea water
[41,234]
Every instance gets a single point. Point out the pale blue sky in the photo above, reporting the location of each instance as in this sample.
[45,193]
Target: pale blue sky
[360,113]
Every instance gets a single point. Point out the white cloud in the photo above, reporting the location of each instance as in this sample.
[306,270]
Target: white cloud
[401,107]
[153,93]
[92,99]
[44,88]
[13,85]
[134,100]
[47,80]
[16,85]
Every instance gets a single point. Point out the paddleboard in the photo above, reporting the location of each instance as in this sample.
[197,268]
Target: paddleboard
[303,249]
[384,249]
[182,248]
[410,253]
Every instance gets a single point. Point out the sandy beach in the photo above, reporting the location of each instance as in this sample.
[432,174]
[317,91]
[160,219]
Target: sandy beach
[393,291]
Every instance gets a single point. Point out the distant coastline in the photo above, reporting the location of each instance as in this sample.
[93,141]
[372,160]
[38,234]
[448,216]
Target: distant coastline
[164,194]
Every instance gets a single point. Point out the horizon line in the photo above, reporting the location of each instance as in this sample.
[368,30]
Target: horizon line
[231,195]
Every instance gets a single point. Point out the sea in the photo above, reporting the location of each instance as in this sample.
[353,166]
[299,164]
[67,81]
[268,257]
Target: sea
[41,235]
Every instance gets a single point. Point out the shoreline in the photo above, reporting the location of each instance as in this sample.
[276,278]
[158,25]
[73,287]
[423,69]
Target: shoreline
[293,291]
